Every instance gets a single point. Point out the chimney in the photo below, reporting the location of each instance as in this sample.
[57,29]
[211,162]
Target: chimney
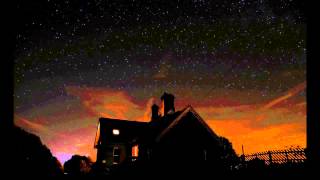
[167,103]
[155,112]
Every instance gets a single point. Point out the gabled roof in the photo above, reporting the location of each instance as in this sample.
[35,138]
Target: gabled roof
[184,112]
[148,131]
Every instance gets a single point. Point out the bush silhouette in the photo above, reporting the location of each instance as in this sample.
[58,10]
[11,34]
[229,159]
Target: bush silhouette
[78,165]
[227,153]
[30,157]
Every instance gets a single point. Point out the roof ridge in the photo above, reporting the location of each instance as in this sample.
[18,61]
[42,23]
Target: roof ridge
[203,122]
[125,120]
[174,122]
[187,109]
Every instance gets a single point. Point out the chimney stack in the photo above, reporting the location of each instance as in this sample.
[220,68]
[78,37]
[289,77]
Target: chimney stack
[155,112]
[167,104]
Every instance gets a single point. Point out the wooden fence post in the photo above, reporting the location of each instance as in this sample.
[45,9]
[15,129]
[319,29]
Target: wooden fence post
[279,156]
[287,158]
[270,157]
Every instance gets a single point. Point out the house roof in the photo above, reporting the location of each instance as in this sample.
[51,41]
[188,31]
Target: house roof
[149,131]
[182,114]
[122,122]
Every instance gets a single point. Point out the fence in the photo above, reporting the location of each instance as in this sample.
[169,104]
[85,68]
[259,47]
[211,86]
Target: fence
[296,155]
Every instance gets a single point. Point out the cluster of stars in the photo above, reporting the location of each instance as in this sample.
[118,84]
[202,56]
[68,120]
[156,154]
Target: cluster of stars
[236,44]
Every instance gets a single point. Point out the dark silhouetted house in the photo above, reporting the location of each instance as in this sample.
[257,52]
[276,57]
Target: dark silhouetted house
[171,138]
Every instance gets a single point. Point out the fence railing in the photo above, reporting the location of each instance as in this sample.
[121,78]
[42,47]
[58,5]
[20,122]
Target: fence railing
[292,155]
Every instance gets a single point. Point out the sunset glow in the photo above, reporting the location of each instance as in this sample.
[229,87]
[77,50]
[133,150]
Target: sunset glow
[274,124]
[240,64]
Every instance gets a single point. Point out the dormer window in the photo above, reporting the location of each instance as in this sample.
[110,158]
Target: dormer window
[115,132]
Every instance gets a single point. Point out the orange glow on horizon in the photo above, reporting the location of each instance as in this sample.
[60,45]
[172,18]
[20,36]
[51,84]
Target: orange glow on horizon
[262,126]
[260,139]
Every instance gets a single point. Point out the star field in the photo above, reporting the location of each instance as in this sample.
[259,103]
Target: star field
[210,54]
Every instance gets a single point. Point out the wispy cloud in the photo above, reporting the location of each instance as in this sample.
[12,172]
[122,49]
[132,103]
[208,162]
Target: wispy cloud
[258,125]
[110,103]
[290,93]
[36,127]
[30,124]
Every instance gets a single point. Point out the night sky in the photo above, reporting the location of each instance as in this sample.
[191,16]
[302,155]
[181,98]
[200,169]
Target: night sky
[240,64]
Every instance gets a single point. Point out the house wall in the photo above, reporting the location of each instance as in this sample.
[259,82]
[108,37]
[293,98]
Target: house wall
[188,143]
[105,154]
[106,139]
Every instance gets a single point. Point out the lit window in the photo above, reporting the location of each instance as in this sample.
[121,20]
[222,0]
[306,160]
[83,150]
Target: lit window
[116,155]
[115,132]
[135,151]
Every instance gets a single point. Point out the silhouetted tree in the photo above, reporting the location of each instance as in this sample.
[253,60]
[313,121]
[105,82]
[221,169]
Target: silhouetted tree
[227,154]
[256,164]
[30,157]
[78,165]
[99,169]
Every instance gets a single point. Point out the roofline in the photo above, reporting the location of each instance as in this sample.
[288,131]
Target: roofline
[123,120]
[189,108]
[204,123]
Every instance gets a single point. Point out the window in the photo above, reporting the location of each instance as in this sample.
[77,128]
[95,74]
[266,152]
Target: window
[205,154]
[116,155]
[115,132]
[135,151]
